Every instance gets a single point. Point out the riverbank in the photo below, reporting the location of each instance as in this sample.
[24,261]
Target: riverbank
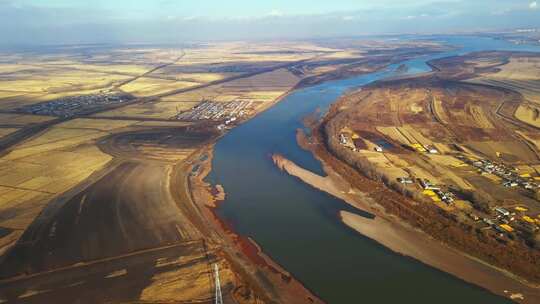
[427,250]
[265,278]
[393,233]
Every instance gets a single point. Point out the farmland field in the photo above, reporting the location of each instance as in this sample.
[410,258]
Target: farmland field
[97,165]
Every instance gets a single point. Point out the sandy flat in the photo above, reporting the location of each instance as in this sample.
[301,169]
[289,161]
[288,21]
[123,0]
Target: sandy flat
[416,244]
[429,251]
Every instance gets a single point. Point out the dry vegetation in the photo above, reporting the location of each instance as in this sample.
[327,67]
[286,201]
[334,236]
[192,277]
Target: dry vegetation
[56,159]
[61,156]
[521,74]
[48,165]
[462,123]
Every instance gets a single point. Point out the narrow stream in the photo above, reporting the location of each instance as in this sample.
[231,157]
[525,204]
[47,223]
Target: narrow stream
[298,226]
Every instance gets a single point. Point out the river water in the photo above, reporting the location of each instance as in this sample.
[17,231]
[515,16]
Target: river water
[298,226]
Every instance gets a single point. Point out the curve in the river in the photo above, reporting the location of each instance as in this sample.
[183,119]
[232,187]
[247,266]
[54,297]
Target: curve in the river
[298,226]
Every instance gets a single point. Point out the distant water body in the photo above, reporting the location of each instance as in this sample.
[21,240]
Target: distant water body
[298,226]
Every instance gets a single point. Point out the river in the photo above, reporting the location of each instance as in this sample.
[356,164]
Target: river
[298,225]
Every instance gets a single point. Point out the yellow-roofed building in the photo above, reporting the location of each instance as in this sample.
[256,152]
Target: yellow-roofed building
[528,219]
[507,227]
[435,198]
[429,192]
[418,147]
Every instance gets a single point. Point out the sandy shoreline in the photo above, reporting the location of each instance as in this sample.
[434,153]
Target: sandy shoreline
[413,243]
[278,285]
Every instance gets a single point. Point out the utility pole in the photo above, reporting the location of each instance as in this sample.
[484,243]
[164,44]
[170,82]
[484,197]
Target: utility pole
[218,297]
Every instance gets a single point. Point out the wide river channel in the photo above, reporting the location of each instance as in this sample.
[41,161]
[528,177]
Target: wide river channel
[298,225]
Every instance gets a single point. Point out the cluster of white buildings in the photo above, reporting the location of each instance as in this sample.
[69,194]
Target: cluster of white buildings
[217,111]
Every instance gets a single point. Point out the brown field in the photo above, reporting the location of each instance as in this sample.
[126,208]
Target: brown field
[512,151]
[151,109]
[528,114]
[7,131]
[54,81]
[101,203]
[475,107]
[262,89]
[48,165]
[530,89]
[392,110]
[29,182]
[144,87]
[520,74]
[21,119]
[64,155]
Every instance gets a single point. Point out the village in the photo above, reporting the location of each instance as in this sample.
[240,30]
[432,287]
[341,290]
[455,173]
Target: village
[225,112]
[503,223]
[73,105]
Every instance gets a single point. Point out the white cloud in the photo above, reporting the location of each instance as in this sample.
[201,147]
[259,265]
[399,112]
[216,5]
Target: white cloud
[501,12]
[533,5]
[411,17]
[189,18]
[275,13]
[348,18]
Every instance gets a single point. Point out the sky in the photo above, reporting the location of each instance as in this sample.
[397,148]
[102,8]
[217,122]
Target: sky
[35,22]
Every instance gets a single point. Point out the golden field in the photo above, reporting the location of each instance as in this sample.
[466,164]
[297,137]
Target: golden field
[460,123]
[137,161]
[7,131]
[54,162]
[22,119]
[151,109]
[57,159]
[144,87]
[49,164]
[520,73]
[528,114]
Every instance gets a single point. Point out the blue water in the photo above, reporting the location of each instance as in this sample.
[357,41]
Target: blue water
[297,225]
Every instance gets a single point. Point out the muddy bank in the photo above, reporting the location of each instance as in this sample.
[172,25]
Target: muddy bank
[427,250]
[263,276]
[408,241]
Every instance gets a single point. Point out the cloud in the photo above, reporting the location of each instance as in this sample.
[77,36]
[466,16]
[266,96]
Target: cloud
[411,17]
[32,22]
[189,18]
[276,13]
